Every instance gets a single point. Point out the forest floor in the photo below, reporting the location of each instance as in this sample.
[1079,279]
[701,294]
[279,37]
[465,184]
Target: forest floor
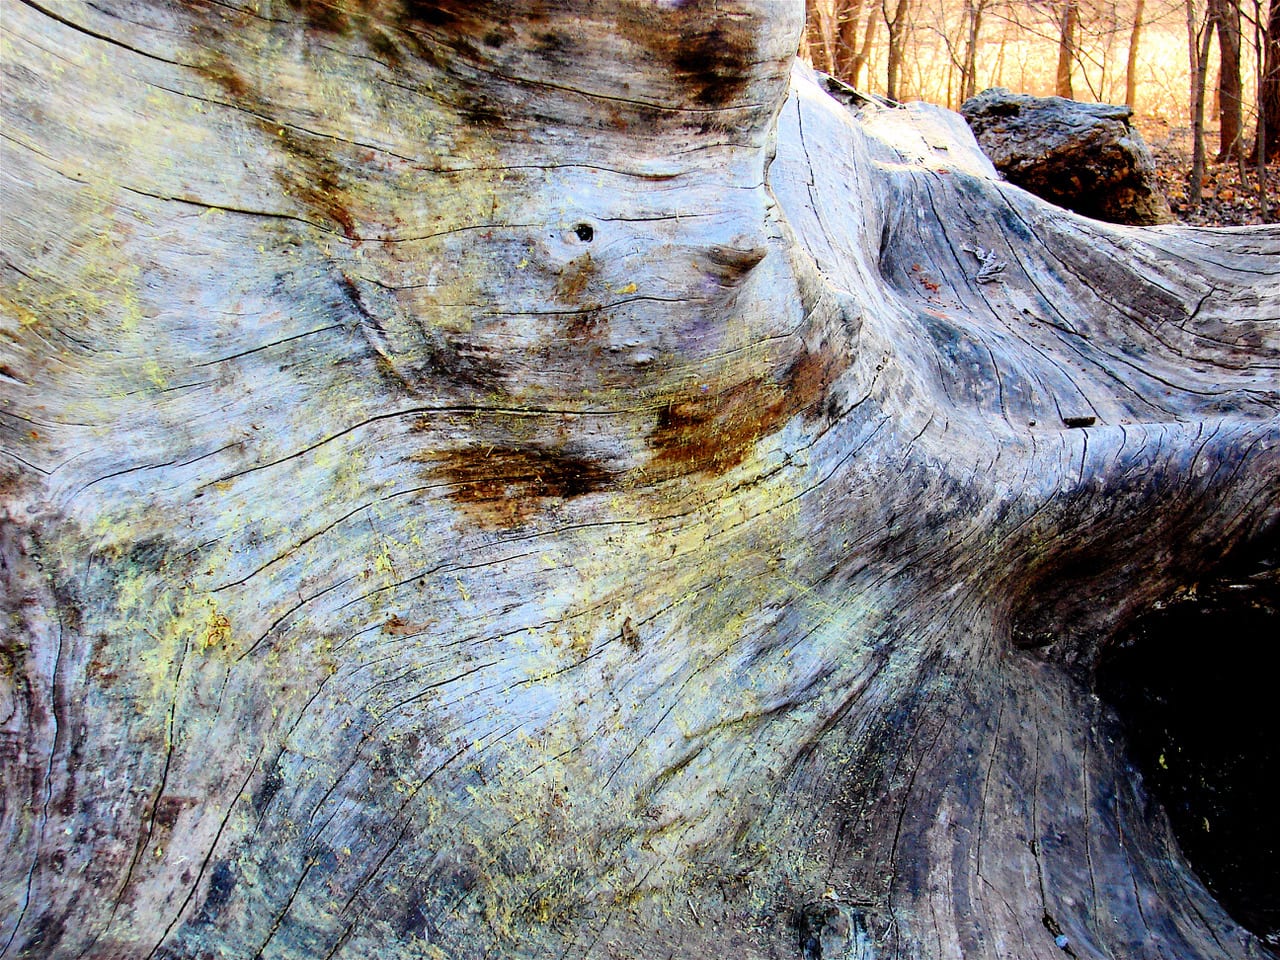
[1228,202]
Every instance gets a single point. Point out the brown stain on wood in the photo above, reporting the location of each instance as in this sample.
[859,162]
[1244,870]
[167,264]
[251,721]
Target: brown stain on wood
[168,809]
[322,15]
[714,431]
[315,173]
[342,19]
[574,278]
[506,486]
[710,49]
[444,32]
[629,635]
[397,626]
[460,18]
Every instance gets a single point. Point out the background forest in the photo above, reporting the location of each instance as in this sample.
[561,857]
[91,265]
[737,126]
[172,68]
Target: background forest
[1203,76]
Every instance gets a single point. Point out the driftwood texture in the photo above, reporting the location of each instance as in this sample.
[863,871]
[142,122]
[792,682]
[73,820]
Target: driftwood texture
[510,479]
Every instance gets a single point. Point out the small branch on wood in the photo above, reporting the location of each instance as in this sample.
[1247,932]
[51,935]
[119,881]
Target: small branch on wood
[990,268]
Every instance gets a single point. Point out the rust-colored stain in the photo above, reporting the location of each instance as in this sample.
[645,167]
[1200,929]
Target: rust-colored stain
[224,74]
[709,46]
[506,486]
[315,176]
[168,809]
[396,626]
[629,635]
[810,376]
[322,15]
[325,198]
[574,278]
[714,431]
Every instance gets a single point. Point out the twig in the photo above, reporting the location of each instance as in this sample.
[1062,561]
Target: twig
[989,268]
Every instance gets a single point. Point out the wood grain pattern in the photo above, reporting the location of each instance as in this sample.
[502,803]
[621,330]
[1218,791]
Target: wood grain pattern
[547,480]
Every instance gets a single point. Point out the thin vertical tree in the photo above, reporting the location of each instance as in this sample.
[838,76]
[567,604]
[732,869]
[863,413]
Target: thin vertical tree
[1067,47]
[854,49]
[1267,143]
[973,11]
[996,75]
[845,28]
[897,24]
[816,37]
[1224,16]
[1131,64]
[834,43]
[1199,37]
[1259,157]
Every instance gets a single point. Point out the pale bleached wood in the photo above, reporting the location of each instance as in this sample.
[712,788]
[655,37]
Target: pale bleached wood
[484,480]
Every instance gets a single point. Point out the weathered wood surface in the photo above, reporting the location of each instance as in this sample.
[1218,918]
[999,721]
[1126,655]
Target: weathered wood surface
[486,480]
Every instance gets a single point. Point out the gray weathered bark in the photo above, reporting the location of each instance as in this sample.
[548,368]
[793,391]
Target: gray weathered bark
[484,482]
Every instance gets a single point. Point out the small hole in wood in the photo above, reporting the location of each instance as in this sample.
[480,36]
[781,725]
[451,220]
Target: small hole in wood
[584,232]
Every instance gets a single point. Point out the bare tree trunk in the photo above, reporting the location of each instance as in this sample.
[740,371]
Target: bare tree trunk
[481,484]
[897,25]
[818,36]
[847,47]
[1131,63]
[1108,25]
[999,68]
[1067,47]
[1267,145]
[973,20]
[1224,15]
[1199,36]
[1259,157]
[870,26]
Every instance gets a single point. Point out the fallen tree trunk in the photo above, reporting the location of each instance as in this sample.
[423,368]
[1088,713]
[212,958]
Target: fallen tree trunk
[488,482]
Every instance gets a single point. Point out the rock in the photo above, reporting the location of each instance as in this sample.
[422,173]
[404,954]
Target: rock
[1086,157]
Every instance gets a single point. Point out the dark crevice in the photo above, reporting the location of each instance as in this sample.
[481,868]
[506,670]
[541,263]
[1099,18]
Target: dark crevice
[1192,685]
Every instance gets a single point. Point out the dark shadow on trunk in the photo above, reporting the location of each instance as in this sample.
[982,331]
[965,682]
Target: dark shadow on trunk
[1199,708]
